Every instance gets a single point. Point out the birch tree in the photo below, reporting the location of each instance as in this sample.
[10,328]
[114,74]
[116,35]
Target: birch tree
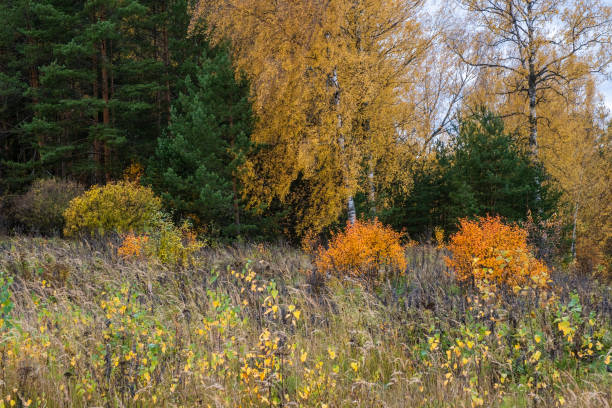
[327,84]
[536,46]
[578,153]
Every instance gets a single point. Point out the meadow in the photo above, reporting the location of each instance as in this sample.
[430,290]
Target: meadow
[258,326]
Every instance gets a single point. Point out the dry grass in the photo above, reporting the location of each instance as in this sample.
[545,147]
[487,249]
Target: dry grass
[254,325]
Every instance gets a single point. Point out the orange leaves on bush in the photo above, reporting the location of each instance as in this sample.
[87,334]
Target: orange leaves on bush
[132,245]
[362,250]
[487,250]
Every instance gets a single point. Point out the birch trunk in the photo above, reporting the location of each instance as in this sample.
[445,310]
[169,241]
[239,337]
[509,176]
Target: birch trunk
[532,95]
[574,230]
[352,213]
[532,83]
[372,189]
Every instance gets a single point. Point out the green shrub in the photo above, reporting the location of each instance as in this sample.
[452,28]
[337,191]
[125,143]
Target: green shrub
[115,207]
[41,208]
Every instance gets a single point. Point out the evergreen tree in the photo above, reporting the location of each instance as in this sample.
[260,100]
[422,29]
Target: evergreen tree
[28,35]
[86,87]
[480,171]
[196,164]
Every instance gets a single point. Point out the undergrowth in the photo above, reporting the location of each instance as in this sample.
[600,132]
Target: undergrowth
[256,326]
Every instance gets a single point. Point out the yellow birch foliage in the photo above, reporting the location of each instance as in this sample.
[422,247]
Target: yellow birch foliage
[362,250]
[328,80]
[577,151]
[488,251]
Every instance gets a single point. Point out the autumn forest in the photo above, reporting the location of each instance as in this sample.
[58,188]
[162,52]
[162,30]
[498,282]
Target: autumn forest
[317,203]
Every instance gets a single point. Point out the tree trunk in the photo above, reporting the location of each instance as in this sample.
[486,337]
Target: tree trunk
[105,110]
[166,60]
[532,94]
[574,231]
[352,213]
[156,47]
[533,116]
[235,183]
[97,146]
[34,84]
[372,188]
[532,84]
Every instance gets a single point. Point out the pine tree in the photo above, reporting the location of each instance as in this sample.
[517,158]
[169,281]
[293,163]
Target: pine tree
[480,171]
[29,33]
[89,84]
[196,164]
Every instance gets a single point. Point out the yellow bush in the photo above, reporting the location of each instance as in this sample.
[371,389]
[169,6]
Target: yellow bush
[362,250]
[169,244]
[489,251]
[115,207]
[133,172]
[174,245]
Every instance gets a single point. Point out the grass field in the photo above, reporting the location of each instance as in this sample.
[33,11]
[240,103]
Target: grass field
[254,326]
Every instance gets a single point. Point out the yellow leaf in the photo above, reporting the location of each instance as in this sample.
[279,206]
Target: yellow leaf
[565,327]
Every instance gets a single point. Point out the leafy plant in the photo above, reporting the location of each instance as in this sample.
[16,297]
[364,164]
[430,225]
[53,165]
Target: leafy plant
[169,244]
[488,251]
[132,246]
[362,250]
[115,207]
[41,208]
[6,304]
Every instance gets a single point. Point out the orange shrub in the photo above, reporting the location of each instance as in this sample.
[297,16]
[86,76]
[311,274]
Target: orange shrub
[132,246]
[362,250]
[489,251]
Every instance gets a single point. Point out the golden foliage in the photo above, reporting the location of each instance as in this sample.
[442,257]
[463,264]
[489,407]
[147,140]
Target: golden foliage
[489,251]
[169,244]
[362,250]
[439,236]
[176,246]
[132,245]
[115,207]
[328,82]
[577,151]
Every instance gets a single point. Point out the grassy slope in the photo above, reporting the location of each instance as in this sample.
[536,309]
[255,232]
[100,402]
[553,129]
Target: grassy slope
[90,329]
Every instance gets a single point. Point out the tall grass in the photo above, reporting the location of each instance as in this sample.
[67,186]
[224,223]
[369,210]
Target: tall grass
[256,325]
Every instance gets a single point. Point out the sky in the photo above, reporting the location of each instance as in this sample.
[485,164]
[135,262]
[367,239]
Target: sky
[606,90]
[605,87]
